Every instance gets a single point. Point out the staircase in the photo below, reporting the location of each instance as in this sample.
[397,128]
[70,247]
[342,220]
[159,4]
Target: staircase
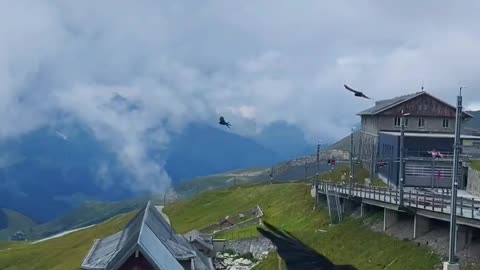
[334,207]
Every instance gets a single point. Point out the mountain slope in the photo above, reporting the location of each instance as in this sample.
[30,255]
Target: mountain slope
[347,243]
[11,222]
[62,253]
[34,163]
[88,214]
[474,123]
[287,141]
[203,150]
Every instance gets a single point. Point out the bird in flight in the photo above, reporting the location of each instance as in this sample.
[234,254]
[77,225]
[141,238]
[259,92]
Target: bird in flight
[223,122]
[357,93]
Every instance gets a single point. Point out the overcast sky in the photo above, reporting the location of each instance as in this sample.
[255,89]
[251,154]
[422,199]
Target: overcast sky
[251,61]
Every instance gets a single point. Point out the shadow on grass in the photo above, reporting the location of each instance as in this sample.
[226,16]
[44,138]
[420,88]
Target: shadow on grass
[296,254]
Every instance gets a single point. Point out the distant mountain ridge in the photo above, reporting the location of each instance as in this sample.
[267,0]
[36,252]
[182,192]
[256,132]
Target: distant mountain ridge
[11,222]
[473,123]
[286,140]
[44,175]
[202,150]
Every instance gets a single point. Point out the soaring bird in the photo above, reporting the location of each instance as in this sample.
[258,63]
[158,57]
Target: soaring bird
[357,93]
[223,122]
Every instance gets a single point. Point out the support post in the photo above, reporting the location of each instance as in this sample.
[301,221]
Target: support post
[318,162]
[348,206]
[390,217]
[401,172]
[464,237]
[421,225]
[453,206]
[351,164]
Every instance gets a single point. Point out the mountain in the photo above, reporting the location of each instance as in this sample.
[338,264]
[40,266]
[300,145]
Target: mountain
[202,150]
[294,215]
[11,222]
[88,214]
[474,123]
[286,140]
[45,174]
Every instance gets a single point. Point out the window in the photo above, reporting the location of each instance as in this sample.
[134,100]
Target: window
[445,123]
[397,121]
[421,122]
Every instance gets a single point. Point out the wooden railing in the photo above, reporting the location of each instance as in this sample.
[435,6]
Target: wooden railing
[466,207]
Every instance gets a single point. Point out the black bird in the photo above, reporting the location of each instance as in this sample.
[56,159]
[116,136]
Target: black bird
[357,93]
[223,122]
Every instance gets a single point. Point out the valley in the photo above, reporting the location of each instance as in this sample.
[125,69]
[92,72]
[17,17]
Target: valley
[288,207]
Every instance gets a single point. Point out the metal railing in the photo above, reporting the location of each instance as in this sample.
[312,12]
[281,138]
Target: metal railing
[419,199]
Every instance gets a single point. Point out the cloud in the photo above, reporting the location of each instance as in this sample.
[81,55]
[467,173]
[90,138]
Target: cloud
[137,72]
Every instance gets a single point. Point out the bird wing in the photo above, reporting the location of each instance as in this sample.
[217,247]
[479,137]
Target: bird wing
[350,89]
[365,96]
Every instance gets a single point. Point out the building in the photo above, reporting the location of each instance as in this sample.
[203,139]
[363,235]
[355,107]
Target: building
[19,236]
[147,242]
[202,242]
[429,127]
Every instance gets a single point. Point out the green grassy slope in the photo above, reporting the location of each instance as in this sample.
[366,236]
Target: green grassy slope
[360,175]
[286,206]
[220,181]
[63,253]
[88,214]
[475,165]
[97,212]
[289,207]
[13,222]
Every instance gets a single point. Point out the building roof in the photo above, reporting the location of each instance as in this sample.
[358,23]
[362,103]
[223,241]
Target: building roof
[148,233]
[430,135]
[388,103]
[227,220]
[383,105]
[197,236]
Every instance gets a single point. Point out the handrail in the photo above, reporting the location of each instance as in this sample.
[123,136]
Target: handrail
[466,207]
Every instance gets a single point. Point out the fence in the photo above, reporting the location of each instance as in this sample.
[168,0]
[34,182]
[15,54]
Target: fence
[466,207]
[248,223]
[250,217]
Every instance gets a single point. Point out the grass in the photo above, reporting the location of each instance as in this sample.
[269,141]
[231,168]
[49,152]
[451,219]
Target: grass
[14,222]
[475,165]
[272,262]
[289,207]
[63,253]
[94,212]
[336,174]
[218,181]
[360,175]
[378,183]
[88,214]
[286,206]
[196,186]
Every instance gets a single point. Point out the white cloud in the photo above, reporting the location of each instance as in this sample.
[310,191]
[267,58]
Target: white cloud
[182,61]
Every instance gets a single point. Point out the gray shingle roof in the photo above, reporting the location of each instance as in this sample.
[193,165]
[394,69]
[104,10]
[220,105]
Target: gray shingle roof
[148,233]
[387,103]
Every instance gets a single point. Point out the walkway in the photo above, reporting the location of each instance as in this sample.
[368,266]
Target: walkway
[467,207]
